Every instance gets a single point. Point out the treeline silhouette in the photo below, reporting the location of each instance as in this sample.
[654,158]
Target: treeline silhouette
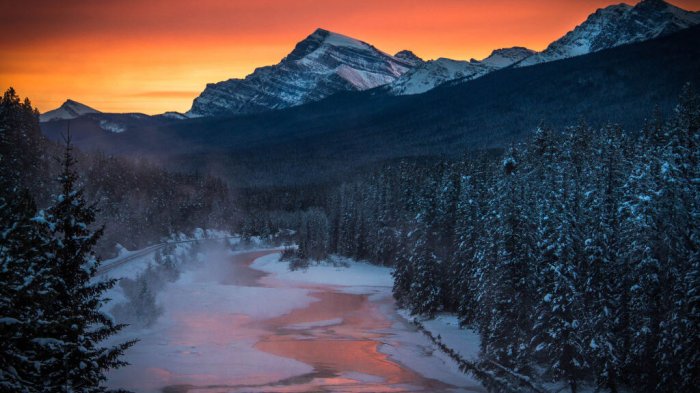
[138,201]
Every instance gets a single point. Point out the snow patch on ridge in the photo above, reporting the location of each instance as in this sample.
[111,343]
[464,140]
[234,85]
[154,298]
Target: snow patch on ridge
[112,127]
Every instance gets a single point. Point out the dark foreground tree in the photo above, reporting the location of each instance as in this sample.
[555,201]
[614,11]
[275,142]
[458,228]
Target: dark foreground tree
[24,249]
[51,327]
[24,262]
[72,356]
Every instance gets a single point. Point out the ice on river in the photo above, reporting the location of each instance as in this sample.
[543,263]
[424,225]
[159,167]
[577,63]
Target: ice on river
[246,323]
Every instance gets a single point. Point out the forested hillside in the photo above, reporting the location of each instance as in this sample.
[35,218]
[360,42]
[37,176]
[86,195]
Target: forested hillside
[137,201]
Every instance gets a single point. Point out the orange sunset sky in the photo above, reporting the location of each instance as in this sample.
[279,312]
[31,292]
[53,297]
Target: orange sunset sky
[153,56]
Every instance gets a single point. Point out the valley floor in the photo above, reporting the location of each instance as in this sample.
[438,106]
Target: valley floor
[243,322]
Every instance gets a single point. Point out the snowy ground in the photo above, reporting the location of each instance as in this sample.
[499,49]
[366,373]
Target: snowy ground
[208,332]
[446,327]
[355,277]
[201,339]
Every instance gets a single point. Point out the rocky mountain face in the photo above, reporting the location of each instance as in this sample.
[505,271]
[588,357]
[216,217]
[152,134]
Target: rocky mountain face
[409,57]
[606,28]
[67,111]
[323,64]
[326,63]
[617,25]
[433,73]
[502,58]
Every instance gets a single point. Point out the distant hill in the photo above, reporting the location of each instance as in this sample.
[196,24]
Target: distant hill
[68,110]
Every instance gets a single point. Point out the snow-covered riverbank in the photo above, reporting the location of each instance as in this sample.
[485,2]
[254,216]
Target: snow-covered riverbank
[225,325]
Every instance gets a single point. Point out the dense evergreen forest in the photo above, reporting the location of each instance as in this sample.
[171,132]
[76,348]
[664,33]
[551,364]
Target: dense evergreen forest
[575,255]
[139,201]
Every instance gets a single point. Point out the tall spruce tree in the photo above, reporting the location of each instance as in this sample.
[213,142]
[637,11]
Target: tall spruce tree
[72,356]
[21,144]
[425,286]
[556,338]
[679,351]
[506,337]
[470,226]
[644,228]
[25,287]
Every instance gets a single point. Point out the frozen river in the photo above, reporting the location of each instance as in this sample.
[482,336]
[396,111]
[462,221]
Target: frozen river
[244,323]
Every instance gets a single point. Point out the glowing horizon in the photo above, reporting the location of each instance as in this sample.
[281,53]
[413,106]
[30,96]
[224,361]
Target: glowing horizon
[152,57]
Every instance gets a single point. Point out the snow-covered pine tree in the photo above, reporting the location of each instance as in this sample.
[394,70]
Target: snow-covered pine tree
[403,272]
[425,287]
[347,220]
[444,228]
[505,338]
[141,308]
[418,267]
[314,235]
[146,309]
[606,285]
[472,240]
[25,291]
[384,243]
[21,144]
[72,356]
[679,350]
[468,230]
[643,231]
[556,332]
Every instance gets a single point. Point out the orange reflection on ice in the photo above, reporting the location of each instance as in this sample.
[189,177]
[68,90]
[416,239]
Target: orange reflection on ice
[338,356]
[346,345]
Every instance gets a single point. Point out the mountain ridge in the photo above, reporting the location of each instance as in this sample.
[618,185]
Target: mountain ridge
[432,73]
[607,27]
[327,138]
[322,64]
[617,25]
[327,63]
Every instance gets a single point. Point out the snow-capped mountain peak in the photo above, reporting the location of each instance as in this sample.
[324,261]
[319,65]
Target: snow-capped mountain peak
[325,63]
[501,58]
[433,73]
[322,64]
[617,25]
[319,38]
[428,75]
[409,57]
[330,38]
[68,110]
